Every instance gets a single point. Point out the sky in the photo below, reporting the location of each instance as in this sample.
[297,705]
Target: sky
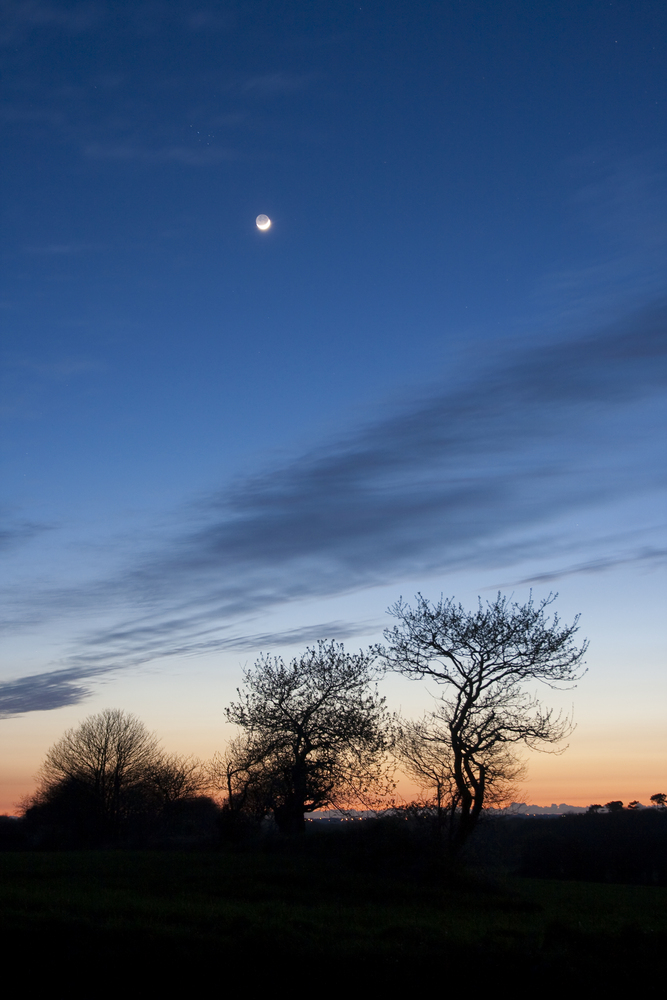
[441,370]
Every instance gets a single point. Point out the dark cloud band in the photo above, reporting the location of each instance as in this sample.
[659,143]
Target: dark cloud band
[458,478]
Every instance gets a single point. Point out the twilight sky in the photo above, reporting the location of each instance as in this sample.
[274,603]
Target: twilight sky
[442,368]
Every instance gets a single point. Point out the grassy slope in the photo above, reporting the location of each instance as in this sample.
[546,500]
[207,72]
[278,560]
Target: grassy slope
[314,917]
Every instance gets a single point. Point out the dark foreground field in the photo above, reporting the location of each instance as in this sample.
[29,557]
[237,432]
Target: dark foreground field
[317,917]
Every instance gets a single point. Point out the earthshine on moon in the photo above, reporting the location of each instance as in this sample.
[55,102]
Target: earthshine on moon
[263,221]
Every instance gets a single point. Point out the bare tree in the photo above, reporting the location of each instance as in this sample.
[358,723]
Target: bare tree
[484,658]
[315,733]
[173,777]
[422,755]
[109,758]
[424,751]
[239,775]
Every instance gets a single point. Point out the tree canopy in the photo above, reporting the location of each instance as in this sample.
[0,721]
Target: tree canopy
[482,658]
[314,734]
[107,771]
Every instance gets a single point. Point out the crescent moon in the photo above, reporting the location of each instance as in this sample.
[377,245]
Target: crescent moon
[263,221]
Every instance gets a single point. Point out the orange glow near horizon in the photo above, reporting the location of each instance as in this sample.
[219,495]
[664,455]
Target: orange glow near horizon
[605,760]
[541,790]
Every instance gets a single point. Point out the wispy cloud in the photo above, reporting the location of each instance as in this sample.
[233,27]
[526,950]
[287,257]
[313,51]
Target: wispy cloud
[191,156]
[43,692]
[57,688]
[12,535]
[23,16]
[274,84]
[649,557]
[526,439]
[140,642]
[56,369]
[624,203]
[475,473]
[207,20]
[25,381]
[63,249]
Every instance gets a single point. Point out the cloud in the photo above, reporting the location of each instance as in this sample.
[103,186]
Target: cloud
[12,535]
[526,439]
[191,156]
[624,203]
[647,557]
[56,370]
[474,473]
[135,643]
[42,692]
[207,20]
[63,249]
[23,16]
[57,688]
[262,641]
[26,381]
[273,84]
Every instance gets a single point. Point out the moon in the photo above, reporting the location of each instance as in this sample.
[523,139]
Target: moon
[263,221]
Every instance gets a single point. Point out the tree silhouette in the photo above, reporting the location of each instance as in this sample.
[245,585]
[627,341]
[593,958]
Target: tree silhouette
[424,750]
[314,733]
[107,771]
[484,658]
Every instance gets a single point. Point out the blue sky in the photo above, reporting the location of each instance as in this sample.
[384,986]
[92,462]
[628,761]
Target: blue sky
[441,369]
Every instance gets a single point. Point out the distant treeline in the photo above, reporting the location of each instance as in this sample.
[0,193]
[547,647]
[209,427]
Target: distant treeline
[626,846]
[69,821]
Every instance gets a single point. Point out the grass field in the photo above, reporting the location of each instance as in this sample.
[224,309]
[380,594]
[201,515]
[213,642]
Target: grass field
[168,916]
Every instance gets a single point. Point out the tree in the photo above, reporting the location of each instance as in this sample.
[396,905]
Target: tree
[173,778]
[105,766]
[659,800]
[108,779]
[424,750]
[484,658]
[315,733]
[419,748]
[241,775]
[614,807]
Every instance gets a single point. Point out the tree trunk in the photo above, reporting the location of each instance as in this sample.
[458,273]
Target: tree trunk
[290,818]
